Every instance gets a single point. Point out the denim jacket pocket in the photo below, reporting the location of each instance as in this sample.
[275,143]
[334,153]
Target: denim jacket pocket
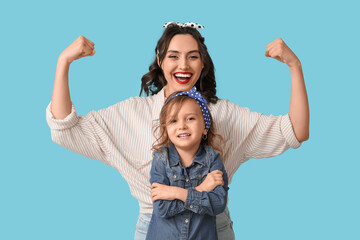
[199,176]
[176,179]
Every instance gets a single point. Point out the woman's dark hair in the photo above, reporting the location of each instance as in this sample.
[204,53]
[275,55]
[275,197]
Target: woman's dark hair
[153,81]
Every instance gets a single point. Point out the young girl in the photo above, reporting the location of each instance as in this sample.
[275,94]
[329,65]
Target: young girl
[183,159]
[121,135]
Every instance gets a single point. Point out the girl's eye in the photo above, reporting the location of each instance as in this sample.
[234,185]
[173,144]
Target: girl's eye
[172,56]
[173,121]
[191,118]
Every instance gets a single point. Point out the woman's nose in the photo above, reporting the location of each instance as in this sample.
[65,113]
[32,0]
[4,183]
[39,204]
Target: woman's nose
[183,64]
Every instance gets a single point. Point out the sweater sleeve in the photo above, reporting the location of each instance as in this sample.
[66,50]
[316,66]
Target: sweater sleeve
[270,136]
[254,134]
[84,135]
[100,134]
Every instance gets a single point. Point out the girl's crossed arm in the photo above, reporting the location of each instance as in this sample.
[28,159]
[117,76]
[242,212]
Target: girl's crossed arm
[168,200]
[172,200]
[210,202]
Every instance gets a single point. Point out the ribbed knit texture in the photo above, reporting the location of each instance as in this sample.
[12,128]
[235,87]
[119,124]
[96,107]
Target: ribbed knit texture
[121,136]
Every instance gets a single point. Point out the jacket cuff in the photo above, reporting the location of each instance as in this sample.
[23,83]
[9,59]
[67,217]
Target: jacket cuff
[60,124]
[288,132]
[193,200]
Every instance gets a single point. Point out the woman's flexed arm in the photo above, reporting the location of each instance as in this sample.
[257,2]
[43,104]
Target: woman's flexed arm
[299,106]
[61,102]
[86,135]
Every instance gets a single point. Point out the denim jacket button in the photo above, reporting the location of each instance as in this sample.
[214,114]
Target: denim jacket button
[191,206]
[187,179]
[174,176]
[186,220]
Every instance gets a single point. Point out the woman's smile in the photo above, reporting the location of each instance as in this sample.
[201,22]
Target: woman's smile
[182,64]
[182,77]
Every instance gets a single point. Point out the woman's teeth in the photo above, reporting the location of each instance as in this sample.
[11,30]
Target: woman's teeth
[183,77]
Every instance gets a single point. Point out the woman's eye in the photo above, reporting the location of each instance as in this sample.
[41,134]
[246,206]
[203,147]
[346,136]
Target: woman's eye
[194,57]
[172,56]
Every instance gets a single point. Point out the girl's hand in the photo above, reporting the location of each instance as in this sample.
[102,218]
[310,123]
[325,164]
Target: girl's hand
[80,48]
[162,192]
[280,51]
[212,180]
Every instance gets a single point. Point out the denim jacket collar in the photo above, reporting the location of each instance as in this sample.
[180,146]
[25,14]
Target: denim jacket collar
[174,159]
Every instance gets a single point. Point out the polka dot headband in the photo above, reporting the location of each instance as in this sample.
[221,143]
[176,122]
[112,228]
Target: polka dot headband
[188,24]
[193,93]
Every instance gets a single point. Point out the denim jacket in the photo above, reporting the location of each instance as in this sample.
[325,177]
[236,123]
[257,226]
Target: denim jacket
[195,218]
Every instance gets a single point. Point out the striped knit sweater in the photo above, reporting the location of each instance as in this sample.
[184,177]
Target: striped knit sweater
[121,136]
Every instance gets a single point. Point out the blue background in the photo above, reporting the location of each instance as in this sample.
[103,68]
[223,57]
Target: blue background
[48,192]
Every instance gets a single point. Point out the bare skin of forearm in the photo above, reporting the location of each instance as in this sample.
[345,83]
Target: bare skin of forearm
[299,105]
[61,102]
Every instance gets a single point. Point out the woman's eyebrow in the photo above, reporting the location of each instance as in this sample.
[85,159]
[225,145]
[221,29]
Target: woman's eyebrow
[175,51]
[194,51]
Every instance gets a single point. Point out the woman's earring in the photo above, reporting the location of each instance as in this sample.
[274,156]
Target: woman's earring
[204,137]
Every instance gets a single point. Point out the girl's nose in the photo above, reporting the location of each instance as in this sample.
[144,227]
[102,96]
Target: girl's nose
[182,125]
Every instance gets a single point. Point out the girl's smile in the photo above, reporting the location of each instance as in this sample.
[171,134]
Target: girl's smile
[185,130]
[184,135]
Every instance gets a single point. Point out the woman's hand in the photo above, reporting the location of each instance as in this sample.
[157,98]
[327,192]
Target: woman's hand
[212,180]
[280,51]
[80,48]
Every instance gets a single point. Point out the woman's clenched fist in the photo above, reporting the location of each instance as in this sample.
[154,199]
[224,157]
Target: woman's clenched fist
[81,47]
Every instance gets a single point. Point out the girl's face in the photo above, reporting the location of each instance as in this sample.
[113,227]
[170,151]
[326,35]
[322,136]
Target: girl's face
[182,64]
[186,129]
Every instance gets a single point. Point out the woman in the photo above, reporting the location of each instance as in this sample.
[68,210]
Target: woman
[114,135]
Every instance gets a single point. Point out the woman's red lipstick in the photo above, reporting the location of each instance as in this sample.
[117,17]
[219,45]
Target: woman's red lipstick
[182,77]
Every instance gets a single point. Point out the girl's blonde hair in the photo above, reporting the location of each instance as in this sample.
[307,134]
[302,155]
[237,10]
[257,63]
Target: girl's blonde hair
[162,139]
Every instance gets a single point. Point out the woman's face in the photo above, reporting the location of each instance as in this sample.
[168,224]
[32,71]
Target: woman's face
[182,64]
